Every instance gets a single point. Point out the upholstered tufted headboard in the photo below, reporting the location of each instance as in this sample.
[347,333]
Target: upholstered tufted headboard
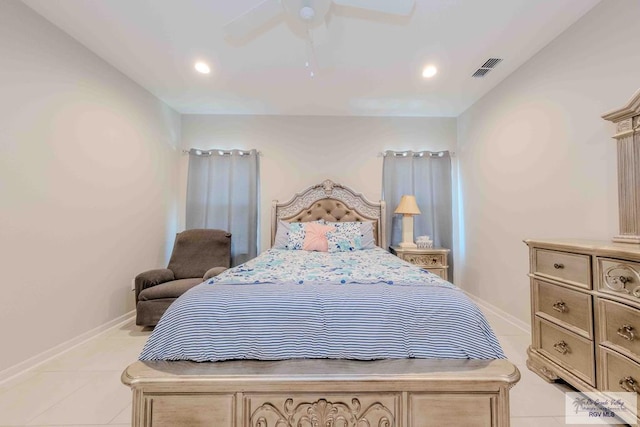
[331,202]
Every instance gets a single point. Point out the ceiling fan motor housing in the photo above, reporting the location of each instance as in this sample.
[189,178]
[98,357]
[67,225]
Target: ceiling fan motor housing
[305,14]
[309,11]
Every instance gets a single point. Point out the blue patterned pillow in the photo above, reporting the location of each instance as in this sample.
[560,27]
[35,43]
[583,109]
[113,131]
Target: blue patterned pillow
[346,238]
[296,236]
[366,232]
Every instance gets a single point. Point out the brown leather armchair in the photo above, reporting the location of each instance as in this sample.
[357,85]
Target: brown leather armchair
[198,255]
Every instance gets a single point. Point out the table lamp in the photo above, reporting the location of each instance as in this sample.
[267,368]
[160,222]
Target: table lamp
[408,208]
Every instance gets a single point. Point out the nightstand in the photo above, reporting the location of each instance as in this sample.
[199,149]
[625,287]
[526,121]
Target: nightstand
[432,259]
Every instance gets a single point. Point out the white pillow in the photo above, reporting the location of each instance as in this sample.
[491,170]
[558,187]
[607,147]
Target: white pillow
[282,235]
[368,241]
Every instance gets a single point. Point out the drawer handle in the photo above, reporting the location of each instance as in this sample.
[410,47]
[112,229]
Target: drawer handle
[560,306]
[562,347]
[626,332]
[629,384]
[625,279]
[434,260]
[558,266]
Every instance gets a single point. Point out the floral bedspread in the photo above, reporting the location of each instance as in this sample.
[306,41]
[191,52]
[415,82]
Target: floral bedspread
[287,266]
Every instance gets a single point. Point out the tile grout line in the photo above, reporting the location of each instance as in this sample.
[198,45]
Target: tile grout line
[57,401]
[88,384]
[119,413]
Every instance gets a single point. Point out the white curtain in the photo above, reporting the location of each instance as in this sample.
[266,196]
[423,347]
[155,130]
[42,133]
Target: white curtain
[222,193]
[426,175]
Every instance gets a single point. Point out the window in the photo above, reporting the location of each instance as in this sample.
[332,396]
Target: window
[427,176]
[222,193]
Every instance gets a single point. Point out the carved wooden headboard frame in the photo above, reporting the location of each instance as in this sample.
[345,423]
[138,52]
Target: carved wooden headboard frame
[627,120]
[328,190]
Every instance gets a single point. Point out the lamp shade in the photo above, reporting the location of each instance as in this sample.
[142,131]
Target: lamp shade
[408,206]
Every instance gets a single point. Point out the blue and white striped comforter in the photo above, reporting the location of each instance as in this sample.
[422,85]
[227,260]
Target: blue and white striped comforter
[243,314]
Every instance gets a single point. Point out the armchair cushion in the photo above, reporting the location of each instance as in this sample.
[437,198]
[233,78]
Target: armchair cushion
[152,278]
[196,251]
[172,289]
[212,272]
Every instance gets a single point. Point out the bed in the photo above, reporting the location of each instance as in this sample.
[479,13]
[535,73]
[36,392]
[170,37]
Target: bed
[313,367]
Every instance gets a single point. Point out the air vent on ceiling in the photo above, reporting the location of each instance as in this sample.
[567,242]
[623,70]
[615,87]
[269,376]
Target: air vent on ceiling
[488,65]
[480,72]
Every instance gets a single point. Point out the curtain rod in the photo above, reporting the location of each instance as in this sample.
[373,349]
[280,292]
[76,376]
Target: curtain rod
[416,153]
[200,152]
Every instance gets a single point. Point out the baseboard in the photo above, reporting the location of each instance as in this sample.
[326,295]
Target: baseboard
[501,313]
[66,346]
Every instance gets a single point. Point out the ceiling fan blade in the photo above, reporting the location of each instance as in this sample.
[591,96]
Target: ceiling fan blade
[254,19]
[394,7]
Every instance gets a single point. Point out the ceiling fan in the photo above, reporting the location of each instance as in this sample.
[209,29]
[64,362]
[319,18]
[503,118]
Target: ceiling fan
[309,12]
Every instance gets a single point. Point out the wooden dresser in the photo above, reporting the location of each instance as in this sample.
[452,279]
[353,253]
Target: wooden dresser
[434,260]
[585,306]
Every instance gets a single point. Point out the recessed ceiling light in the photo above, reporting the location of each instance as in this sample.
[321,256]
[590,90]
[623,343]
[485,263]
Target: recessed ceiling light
[429,71]
[203,68]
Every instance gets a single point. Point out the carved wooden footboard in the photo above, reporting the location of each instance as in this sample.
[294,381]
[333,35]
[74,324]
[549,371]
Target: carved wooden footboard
[337,393]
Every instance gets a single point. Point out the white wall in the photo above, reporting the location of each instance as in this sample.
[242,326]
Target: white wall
[298,152]
[535,158]
[88,184]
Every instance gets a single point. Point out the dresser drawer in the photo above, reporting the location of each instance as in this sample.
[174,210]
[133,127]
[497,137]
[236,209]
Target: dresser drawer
[617,373]
[569,350]
[425,260]
[574,269]
[619,278]
[442,272]
[570,308]
[619,327]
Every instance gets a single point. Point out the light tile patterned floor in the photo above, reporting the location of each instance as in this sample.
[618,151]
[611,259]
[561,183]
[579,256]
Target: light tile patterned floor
[82,387]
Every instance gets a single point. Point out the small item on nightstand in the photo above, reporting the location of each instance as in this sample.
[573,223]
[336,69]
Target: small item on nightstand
[424,242]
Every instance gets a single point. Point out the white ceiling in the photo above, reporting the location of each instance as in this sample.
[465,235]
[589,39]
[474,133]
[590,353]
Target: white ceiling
[368,64]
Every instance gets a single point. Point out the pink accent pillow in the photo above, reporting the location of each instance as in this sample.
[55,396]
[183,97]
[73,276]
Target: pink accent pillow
[315,238]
